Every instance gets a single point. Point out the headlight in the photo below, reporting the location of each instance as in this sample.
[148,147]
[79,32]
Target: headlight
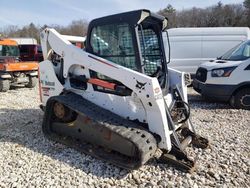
[222,72]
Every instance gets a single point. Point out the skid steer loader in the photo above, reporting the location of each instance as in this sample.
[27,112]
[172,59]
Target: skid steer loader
[117,100]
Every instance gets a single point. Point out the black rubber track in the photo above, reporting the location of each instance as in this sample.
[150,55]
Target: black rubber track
[143,140]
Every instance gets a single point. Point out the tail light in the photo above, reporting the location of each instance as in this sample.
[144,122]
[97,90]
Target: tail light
[78,44]
[35,50]
[36,53]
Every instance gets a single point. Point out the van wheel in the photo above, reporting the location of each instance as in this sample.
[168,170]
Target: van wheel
[32,82]
[4,85]
[242,99]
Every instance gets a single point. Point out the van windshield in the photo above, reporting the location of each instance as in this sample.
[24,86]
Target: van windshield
[238,53]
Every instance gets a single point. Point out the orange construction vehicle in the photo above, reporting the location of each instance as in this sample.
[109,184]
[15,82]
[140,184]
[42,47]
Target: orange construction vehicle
[12,70]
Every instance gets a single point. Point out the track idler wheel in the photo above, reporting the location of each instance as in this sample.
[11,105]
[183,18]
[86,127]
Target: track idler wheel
[63,113]
[197,140]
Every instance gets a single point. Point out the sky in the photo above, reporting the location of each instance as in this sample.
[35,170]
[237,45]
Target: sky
[62,12]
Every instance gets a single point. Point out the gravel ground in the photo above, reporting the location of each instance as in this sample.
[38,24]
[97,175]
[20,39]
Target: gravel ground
[28,159]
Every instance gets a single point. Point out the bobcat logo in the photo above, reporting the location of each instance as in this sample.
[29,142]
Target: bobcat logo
[140,85]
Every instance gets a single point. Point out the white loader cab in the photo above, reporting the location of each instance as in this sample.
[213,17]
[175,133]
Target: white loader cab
[192,46]
[227,78]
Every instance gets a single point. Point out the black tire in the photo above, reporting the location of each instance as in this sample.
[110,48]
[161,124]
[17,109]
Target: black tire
[4,85]
[32,82]
[207,99]
[242,99]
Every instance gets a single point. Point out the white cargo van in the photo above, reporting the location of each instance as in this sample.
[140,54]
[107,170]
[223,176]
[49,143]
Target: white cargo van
[192,46]
[227,78]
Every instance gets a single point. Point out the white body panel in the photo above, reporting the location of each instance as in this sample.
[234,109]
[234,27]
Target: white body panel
[49,84]
[177,78]
[192,46]
[145,104]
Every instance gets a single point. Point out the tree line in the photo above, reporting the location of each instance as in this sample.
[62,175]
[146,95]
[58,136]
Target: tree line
[76,28]
[219,15]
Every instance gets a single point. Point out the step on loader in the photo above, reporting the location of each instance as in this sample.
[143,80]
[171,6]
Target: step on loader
[117,100]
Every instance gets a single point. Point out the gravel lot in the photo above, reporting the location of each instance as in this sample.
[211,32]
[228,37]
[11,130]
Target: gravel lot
[28,159]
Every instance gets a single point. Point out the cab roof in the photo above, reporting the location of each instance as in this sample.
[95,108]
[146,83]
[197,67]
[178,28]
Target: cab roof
[133,17]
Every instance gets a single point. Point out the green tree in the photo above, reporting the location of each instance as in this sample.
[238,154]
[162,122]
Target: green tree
[218,15]
[246,4]
[170,13]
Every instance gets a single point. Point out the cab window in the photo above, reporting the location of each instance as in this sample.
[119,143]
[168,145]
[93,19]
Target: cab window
[151,51]
[114,43]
